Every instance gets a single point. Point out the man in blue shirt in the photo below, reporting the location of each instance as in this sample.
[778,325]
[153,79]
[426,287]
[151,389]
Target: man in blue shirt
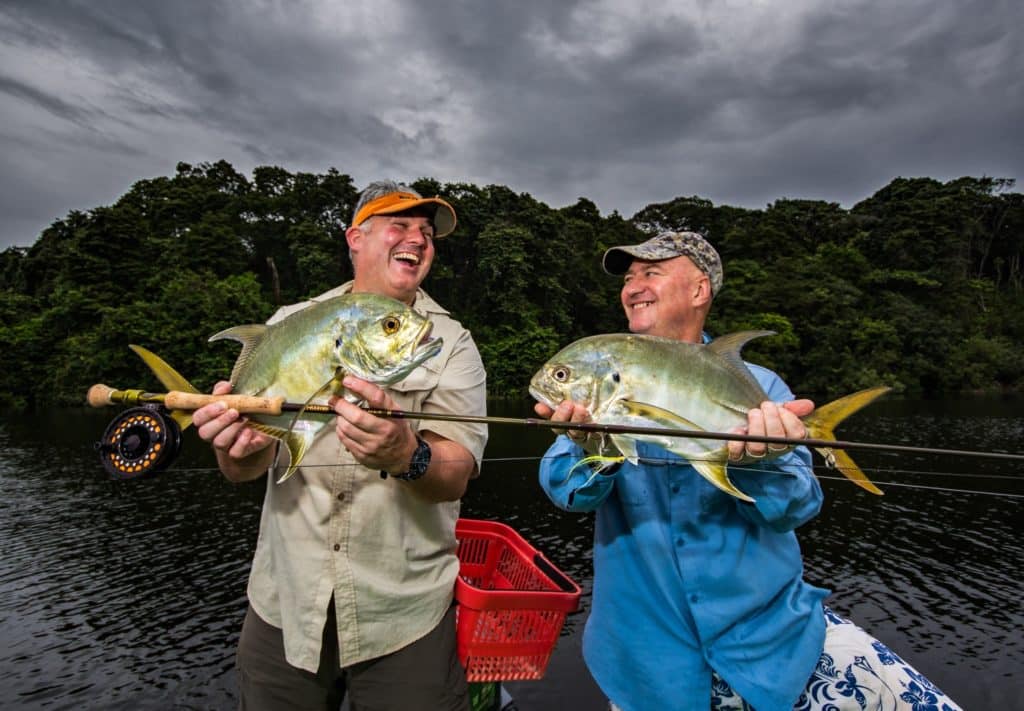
[699,600]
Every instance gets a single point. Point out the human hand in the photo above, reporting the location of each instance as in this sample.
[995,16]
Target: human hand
[771,420]
[375,442]
[567,411]
[226,429]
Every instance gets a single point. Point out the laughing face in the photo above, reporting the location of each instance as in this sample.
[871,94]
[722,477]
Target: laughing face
[668,298]
[391,254]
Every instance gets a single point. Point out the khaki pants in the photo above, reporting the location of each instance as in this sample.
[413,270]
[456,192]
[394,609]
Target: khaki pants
[424,676]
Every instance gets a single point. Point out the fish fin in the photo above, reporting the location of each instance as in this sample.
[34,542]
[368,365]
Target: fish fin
[670,420]
[658,415]
[728,348]
[249,335]
[295,441]
[170,379]
[821,425]
[716,473]
[332,386]
[713,467]
[298,442]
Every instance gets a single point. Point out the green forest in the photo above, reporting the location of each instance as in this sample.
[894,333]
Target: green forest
[920,286]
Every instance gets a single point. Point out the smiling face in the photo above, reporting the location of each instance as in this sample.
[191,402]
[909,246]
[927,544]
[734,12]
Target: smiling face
[391,254]
[668,298]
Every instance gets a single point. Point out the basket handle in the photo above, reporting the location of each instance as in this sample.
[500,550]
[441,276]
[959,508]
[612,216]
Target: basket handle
[556,575]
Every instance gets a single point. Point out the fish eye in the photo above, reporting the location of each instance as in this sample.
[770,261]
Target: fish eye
[392,324]
[561,374]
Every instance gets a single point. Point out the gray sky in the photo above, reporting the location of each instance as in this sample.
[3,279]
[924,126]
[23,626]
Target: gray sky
[624,102]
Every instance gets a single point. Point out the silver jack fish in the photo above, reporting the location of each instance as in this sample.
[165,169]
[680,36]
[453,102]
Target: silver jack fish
[304,357]
[647,381]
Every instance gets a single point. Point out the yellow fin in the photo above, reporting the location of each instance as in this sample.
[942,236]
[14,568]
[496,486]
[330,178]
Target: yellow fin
[716,473]
[821,425]
[296,442]
[170,379]
[332,386]
[658,415]
[712,468]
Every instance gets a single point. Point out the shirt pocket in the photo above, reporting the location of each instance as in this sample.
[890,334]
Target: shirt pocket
[412,390]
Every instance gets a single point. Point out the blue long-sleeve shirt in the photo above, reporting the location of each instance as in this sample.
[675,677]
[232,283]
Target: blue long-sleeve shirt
[688,578]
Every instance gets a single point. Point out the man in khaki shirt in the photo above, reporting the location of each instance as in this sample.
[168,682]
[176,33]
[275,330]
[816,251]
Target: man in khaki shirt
[351,585]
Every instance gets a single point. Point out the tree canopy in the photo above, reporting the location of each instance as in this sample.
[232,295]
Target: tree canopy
[920,286]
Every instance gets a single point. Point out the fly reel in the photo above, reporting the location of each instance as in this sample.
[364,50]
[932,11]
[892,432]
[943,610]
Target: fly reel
[141,441]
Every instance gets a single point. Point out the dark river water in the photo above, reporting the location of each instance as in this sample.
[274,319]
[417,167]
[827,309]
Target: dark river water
[130,595]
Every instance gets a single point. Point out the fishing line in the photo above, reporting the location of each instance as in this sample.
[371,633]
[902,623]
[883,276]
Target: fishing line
[1002,494]
[665,461]
[924,487]
[815,469]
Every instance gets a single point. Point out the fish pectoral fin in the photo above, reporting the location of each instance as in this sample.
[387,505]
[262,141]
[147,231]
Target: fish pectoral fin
[170,379]
[328,387]
[670,420]
[297,442]
[658,415]
[716,473]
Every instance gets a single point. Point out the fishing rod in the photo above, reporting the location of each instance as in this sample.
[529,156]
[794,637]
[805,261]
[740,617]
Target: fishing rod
[146,439]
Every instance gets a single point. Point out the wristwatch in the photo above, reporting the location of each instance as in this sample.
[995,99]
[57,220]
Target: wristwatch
[418,464]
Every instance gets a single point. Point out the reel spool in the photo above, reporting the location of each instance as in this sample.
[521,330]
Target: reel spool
[139,442]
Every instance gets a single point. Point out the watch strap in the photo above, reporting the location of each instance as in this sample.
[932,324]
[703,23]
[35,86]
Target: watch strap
[417,465]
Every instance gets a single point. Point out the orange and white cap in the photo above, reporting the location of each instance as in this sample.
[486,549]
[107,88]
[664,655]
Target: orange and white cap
[397,202]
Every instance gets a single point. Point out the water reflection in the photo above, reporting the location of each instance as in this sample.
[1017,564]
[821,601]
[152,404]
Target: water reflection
[131,594]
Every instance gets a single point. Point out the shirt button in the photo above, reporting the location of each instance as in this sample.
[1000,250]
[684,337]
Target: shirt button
[341,496]
[337,546]
[675,488]
[694,597]
[680,541]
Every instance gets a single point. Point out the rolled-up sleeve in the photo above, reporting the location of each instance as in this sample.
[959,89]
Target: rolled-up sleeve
[571,487]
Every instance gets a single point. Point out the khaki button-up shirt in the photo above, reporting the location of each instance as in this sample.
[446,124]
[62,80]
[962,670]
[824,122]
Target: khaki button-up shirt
[337,528]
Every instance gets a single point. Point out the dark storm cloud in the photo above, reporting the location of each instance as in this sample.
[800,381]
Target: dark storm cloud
[625,102]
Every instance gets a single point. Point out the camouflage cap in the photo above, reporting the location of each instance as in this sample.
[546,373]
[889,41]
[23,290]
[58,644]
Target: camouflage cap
[666,246]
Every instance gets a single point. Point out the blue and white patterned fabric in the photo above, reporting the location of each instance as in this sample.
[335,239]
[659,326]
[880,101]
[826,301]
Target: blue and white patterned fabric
[856,672]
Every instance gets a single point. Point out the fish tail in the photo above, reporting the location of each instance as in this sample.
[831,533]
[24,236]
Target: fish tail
[170,379]
[821,425]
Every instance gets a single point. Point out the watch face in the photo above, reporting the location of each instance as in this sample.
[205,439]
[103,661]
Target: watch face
[420,460]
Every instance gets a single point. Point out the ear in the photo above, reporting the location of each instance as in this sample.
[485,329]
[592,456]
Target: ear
[354,237]
[702,290]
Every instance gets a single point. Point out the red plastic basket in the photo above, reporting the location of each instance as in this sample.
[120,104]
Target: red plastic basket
[512,603]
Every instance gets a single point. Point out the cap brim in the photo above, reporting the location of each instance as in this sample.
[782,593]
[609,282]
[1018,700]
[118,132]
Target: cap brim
[617,260]
[444,216]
